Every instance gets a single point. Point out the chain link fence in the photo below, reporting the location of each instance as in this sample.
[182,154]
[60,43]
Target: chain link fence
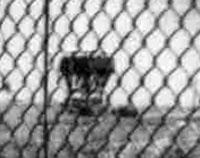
[155,47]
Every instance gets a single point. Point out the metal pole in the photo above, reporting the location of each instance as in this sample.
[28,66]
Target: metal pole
[46,101]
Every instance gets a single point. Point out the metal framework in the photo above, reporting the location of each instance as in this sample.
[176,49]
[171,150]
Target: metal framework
[156,50]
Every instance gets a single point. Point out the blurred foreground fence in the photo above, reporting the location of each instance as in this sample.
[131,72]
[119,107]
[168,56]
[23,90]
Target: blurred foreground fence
[156,48]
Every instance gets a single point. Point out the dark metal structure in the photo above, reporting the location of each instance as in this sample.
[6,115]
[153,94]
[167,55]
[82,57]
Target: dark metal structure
[89,77]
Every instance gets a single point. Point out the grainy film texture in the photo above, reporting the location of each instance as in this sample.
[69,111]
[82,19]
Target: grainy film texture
[155,45]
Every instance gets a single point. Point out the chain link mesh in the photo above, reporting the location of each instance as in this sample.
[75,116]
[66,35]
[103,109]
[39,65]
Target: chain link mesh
[155,47]
[21,71]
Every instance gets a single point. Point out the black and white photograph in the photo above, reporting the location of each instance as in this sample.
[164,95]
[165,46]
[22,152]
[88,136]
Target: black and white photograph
[99,78]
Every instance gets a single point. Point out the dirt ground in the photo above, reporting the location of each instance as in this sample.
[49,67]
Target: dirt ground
[107,136]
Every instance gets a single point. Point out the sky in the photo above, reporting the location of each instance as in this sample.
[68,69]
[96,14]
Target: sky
[70,33]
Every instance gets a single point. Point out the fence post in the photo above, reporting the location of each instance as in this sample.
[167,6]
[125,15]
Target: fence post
[46,71]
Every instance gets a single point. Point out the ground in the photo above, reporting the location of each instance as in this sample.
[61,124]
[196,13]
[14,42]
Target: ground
[107,136]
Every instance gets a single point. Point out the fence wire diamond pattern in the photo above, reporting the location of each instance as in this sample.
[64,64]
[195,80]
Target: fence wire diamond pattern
[155,47]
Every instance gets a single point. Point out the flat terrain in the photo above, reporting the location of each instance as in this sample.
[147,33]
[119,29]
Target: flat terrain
[106,136]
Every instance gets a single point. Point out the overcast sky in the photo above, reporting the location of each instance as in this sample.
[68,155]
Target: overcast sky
[142,57]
